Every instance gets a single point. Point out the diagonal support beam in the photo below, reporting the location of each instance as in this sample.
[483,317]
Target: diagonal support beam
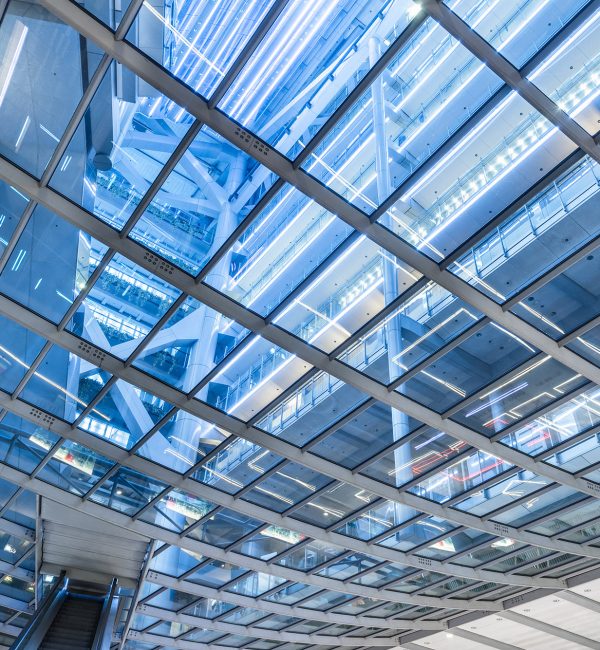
[276,162]
[279,446]
[511,75]
[552,630]
[153,531]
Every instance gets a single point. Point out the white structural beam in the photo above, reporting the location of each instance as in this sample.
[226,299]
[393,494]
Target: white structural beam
[124,458]
[582,601]
[484,640]
[553,630]
[156,532]
[276,162]
[267,330]
[148,637]
[271,607]
[256,632]
[279,446]
[511,75]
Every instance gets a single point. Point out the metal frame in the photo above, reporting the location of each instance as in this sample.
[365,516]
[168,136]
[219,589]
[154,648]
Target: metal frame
[205,112]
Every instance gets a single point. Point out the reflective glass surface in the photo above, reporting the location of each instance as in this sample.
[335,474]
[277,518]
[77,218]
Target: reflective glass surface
[302,298]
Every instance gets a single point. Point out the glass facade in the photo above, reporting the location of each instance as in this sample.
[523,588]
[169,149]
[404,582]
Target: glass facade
[307,292]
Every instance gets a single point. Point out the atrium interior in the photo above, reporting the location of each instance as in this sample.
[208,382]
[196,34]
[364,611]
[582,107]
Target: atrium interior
[300,321]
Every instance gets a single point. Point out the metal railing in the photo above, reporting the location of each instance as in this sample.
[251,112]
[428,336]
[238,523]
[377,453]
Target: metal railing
[32,634]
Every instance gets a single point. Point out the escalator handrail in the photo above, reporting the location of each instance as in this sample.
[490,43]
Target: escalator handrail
[59,588]
[104,630]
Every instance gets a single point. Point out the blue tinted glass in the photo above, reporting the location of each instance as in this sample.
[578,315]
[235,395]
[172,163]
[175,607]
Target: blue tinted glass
[177,510]
[539,384]
[224,528]
[429,90]
[18,349]
[197,41]
[552,225]
[518,29]
[122,307]
[301,88]
[189,345]
[315,406]
[479,360]
[75,468]
[119,148]
[565,302]
[212,188]
[63,384]
[127,491]
[46,67]
[182,441]
[50,265]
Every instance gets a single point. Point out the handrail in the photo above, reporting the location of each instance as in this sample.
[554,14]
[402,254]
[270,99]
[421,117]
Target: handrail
[39,615]
[103,635]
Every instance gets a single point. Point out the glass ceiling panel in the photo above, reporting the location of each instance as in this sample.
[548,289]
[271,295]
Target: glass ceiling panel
[175,561]
[496,549]
[290,237]
[125,414]
[46,68]
[538,385]
[566,520]
[566,301]
[252,377]
[378,520]
[193,341]
[347,294]
[75,468]
[423,532]
[371,431]
[197,41]
[579,457]
[460,477]
[587,345]
[286,487]
[237,465]
[64,385]
[216,574]
[333,504]
[425,93]
[119,147]
[269,542]
[127,491]
[182,441]
[109,13]
[177,510]
[50,265]
[314,407]
[519,28]
[551,226]
[224,528]
[576,60]
[316,53]
[13,204]
[122,307]
[212,188]
[490,499]
[23,445]
[549,502]
[18,349]
[418,455]
[477,178]
[426,322]
[558,425]
[481,359]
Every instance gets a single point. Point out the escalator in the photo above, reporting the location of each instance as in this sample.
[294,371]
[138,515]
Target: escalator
[74,615]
